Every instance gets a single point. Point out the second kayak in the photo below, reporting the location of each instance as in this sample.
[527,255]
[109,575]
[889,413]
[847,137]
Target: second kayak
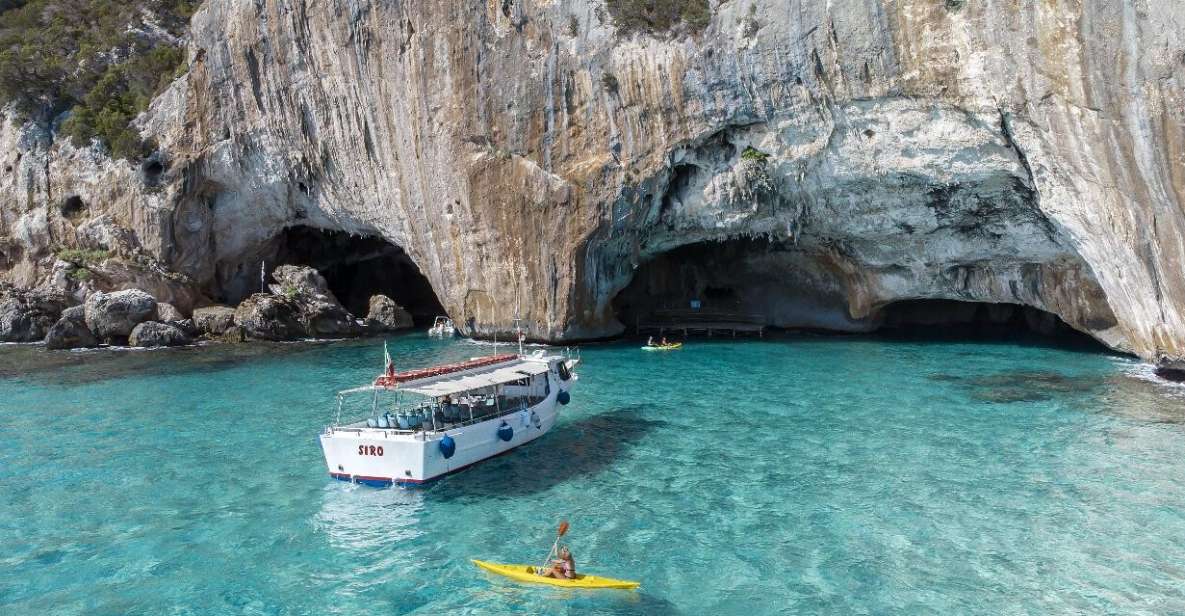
[526,573]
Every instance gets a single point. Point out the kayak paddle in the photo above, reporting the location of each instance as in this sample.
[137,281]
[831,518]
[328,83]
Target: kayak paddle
[563,529]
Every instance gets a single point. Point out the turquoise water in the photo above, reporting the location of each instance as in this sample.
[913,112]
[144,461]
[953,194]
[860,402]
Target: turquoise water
[796,475]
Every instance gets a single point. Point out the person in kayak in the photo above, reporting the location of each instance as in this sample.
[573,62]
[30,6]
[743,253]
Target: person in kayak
[650,341]
[564,568]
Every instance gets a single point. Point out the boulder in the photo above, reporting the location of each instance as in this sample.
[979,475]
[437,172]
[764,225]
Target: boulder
[300,280]
[386,315]
[27,316]
[270,317]
[187,326]
[114,315]
[321,315]
[214,320]
[167,313]
[71,332]
[233,334]
[1171,370]
[157,334]
[327,319]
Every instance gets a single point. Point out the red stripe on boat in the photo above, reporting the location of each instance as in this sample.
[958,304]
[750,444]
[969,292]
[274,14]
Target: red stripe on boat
[391,380]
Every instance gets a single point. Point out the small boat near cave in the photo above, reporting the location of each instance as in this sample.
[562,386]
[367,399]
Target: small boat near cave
[424,424]
[442,327]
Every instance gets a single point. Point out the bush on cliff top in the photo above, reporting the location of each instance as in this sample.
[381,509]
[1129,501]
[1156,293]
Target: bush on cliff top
[659,16]
[104,61]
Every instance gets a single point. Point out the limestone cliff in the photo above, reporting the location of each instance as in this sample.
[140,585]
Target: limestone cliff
[528,157]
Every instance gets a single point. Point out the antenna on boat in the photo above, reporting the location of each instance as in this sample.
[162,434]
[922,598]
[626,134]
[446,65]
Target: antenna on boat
[518,322]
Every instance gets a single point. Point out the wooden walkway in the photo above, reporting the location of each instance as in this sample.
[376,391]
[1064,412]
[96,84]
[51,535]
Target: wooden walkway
[690,322]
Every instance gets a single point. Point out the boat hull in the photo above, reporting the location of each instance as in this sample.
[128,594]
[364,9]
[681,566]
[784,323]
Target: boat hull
[526,573]
[379,457]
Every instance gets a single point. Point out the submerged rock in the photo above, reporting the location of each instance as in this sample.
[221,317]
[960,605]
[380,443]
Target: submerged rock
[112,316]
[71,332]
[157,334]
[386,315]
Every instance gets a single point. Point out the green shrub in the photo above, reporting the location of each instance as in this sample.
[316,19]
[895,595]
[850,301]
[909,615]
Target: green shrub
[659,16]
[755,155]
[83,258]
[80,275]
[89,57]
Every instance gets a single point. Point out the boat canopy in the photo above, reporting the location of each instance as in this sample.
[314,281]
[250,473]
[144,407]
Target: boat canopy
[444,386]
[449,384]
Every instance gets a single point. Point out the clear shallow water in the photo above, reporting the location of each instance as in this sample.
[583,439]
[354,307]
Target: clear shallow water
[799,475]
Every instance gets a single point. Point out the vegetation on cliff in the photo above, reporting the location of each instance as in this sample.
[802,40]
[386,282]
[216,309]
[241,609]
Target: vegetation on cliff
[103,61]
[659,16]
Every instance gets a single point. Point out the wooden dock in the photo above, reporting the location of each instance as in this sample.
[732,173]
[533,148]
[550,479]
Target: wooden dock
[690,322]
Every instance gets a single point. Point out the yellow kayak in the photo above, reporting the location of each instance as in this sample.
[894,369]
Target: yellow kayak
[526,573]
[663,347]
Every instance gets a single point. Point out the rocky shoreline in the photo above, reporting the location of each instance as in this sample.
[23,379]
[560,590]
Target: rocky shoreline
[298,305]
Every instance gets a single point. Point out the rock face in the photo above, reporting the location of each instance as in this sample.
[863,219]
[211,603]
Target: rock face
[531,159]
[214,320]
[112,316]
[26,316]
[320,312]
[71,332]
[270,317]
[386,315]
[156,334]
[167,313]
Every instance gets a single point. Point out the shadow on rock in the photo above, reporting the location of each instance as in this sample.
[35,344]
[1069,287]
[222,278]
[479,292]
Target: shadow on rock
[577,449]
[1021,386]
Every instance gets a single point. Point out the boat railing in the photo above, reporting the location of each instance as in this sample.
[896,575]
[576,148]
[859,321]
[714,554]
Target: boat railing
[518,405]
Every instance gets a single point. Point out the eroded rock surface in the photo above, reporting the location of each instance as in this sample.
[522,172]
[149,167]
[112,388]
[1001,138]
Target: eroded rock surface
[843,156]
[112,316]
[214,320]
[71,332]
[270,317]
[26,316]
[157,334]
[386,315]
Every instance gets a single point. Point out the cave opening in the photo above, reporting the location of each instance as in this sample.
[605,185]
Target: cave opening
[784,287]
[358,267]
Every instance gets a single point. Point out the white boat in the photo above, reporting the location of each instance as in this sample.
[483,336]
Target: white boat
[442,327]
[425,424]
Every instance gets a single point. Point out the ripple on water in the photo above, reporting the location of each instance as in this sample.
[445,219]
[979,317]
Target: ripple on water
[802,475]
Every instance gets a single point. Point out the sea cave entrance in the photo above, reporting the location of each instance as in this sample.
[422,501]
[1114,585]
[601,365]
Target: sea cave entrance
[783,287]
[358,267]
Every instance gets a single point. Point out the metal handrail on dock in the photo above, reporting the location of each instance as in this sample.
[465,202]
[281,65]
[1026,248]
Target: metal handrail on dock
[702,321]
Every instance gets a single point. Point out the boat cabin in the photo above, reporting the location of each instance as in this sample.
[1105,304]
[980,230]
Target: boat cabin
[445,402]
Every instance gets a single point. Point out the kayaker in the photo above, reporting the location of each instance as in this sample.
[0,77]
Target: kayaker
[650,341]
[664,342]
[564,567]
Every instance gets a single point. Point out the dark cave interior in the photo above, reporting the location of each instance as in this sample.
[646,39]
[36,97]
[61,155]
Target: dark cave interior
[785,287]
[358,267]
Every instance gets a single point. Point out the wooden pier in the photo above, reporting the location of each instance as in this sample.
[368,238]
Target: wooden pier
[710,323]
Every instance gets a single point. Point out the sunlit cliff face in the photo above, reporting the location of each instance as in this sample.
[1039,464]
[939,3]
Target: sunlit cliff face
[827,160]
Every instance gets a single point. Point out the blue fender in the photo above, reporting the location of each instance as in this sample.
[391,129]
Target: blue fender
[563,397]
[448,447]
[505,432]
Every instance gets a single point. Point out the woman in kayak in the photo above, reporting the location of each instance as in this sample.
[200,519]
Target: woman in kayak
[565,567]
